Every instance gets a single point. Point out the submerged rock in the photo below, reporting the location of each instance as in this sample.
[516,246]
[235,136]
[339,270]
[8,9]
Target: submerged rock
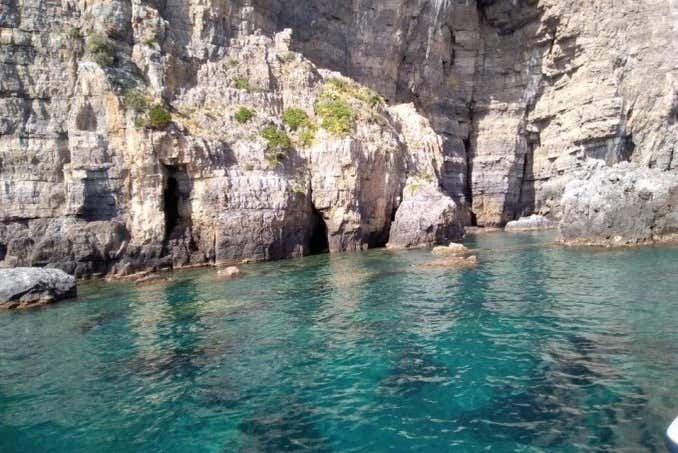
[621,205]
[454,261]
[26,287]
[453,249]
[151,279]
[531,223]
[425,217]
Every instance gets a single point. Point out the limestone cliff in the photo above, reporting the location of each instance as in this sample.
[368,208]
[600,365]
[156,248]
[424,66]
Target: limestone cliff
[137,134]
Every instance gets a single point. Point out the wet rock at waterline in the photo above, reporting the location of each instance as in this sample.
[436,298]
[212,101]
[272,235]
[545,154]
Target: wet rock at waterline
[531,223]
[26,287]
[451,250]
[169,146]
[230,272]
[622,205]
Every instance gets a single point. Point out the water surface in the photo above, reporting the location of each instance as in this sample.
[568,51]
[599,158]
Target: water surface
[539,348]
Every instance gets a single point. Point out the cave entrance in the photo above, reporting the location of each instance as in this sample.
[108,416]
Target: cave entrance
[318,243]
[175,200]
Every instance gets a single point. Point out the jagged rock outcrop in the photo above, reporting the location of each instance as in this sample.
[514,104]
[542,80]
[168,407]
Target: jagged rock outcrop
[622,205]
[135,134]
[28,287]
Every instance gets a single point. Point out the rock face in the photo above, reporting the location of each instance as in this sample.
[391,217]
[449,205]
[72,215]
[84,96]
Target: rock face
[30,287]
[139,135]
[531,223]
[622,205]
[425,217]
[260,155]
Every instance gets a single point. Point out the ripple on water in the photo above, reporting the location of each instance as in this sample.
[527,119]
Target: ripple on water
[538,348]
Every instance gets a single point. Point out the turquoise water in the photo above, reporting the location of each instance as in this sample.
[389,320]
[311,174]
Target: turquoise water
[539,348]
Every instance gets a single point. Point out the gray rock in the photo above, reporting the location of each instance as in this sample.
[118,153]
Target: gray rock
[531,223]
[621,205]
[425,217]
[26,287]
[518,98]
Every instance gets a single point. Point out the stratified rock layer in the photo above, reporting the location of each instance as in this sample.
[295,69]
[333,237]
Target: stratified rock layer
[622,205]
[123,144]
[30,287]
[145,184]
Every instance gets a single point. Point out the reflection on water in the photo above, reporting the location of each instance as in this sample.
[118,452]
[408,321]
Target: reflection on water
[538,348]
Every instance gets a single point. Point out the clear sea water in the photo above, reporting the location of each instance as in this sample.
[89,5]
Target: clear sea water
[539,348]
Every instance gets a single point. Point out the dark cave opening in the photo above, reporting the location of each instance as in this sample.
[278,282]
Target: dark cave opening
[3,251]
[171,204]
[318,243]
[175,201]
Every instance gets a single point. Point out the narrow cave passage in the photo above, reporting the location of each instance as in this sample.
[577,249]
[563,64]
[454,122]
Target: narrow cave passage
[171,205]
[174,200]
[318,243]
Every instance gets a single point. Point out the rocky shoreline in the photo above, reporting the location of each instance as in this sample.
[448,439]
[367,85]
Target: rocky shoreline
[136,138]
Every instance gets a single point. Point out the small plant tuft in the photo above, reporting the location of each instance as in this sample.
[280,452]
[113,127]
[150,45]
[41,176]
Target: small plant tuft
[74,33]
[101,49]
[243,115]
[307,136]
[295,118]
[136,100]
[336,116]
[158,117]
[275,138]
[242,83]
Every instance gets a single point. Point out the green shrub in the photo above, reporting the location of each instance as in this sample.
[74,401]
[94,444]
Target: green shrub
[139,121]
[307,136]
[242,83]
[243,115]
[231,63]
[275,138]
[351,89]
[136,100]
[294,118]
[158,117]
[341,85]
[101,49]
[74,33]
[336,116]
[287,57]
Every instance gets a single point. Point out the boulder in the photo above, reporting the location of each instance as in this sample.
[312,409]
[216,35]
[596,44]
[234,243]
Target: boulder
[425,217]
[453,249]
[26,287]
[621,205]
[531,223]
[230,272]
